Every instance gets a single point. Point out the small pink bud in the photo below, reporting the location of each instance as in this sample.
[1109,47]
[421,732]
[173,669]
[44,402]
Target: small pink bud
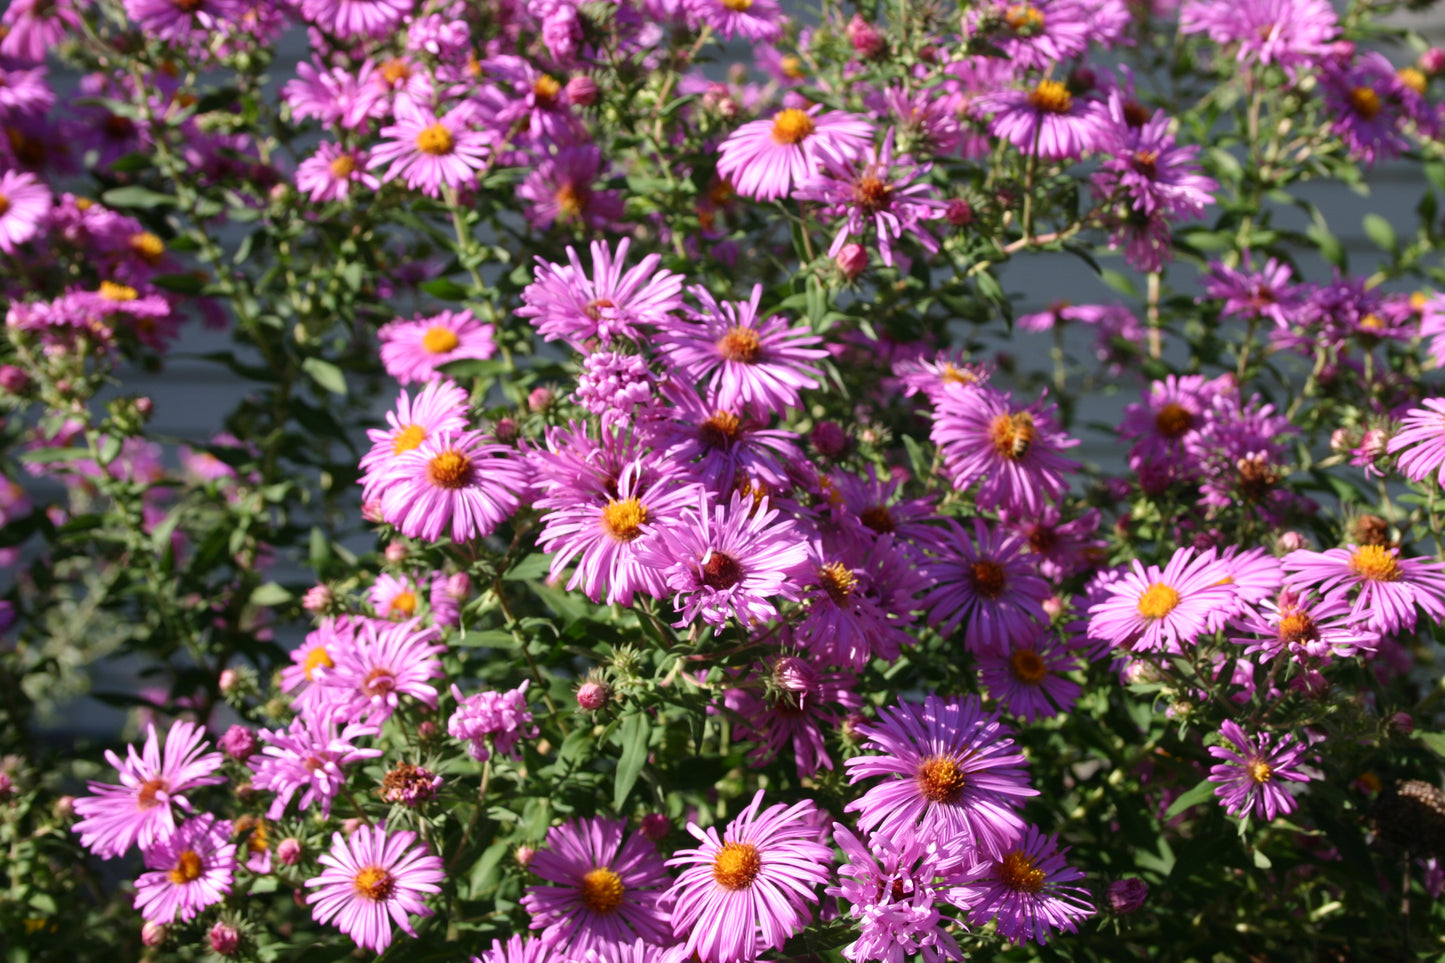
[655,826]
[1290,542]
[505,430]
[959,212]
[317,599]
[593,696]
[459,586]
[1053,606]
[288,851]
[828,439]
[792,674]
[867,40]
[228,679]
[1126,895]
[524,855]
[371,511]
[144,406]
[153,934]
[426,729]
[1432,61]
[541,399]
[350,826]
[13,379]
[1403,723]
[225,939]
[852,260]
[239,743]
[396,553]
[65,807]
[582,90]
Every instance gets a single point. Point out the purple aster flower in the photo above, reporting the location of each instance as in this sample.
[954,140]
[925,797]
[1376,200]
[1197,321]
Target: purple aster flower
[721,446]
[956,777]
[1028,680]
[786,705]
[1157,175]
[35,27]
[518,949]
[386,661]
[765,159]
[453,482]
[604,892]
[1169,418]
[356,18]
[1047,120]
[564,301]
[746,892]
[1265,293]
[927,120]
[431,152]
[755,20]
[1029,890]
[333,172]
[141,810]
[875,189]
[1150,610]
[24,204]
[861,597]
[744,362]
[1366,106]
[727,560]
[561,192]
[600,527]
[893,888]
[320,650]
[1390,587]
[191,870]
[168,20]
[439,408]
[1014,453]
[309,754]
[372,879]
[1058,549]
[877,505]
[1285,32]
[502,717]
[1038,34]
[1420,442]
[986,585]
[413,350]
[1304,627]
[1249,777]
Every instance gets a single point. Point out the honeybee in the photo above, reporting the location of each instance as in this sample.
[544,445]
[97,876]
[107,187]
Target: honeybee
[1023,434]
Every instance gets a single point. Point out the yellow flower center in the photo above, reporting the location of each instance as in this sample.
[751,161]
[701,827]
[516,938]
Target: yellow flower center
[1018,872]
[148,246]
[571,199]
[1027,666]
[343,166]
[940,779]
[111,291]
[546,88]
[188,868]
[450,469]
[404,603]
[439,340]
[987,578]
[435,140]
[792,67]
[1365,102]
[602,890]
[407,439]
[1024,19]
[1296,626]
[374,883]
[837,580]
[740,344]
[736,865]
[1173,420]
[1259,771]
[1375,563]
[872,195]
[1051,97]
[624,519]
[1012,435]
[316,658]
[1413,78]
[1158,601]
[792,126]
[720,430]
[395,71]
[737,6]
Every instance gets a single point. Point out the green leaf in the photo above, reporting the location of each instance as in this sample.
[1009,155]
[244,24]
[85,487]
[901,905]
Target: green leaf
[446,289]
[1200,793]
[44,455]
[136,197]
[179,283]
[1434,740]
[270,593]
[1381,232]
[634,736]
[326,374]
[533,566]
[488,638]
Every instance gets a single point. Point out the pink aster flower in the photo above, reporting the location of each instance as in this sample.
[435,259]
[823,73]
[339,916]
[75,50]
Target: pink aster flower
[333,172]
[564,301]
[1165,426]
[1150,170]
[431,152]
[1304,628]
[309,754]
[386,661]
[1058,548]
[861,596]
[1047,120]
[439,408]
[893,889]
[765,159]
[745,362]
[952,776]
[1029,680]
[757,20]
[600,892]
[1420,442]
[501,717]
[372,879]
[455,483]
[1014,453]
[875,191]
[1251,772]
[394,597]
[785,705]
[152,783]
[413,350]
[1040,34]
[1150,610]
[1029,890]
[1257,293]
[984,584]
[24,204]
[356,18]
[518,949]
[561,191]
[718,446]
[1366,104]
[168,20]
[1285,32]
[727,560]
[191,870]
[319,652]
[35,27]
[746,891]
[1390,588]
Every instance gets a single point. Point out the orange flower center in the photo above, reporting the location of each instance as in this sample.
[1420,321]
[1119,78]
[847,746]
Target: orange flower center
[407,439]
[1018,872]
[395,71]
[4,204]
[571,199]
[720,430]
[403,604]
[1157,601]
[1375,563]
[595,308]
[878,518]
[343,166]
[792,126]
[736,865]
[940,779]
[435,140]
[378,682]
[721,571]
[740,344]
[1028,667]
[1023,19]
[1012,435]
[602,890]
[146,798]
[988,578]
[1173,420]
[1146,162]
[1051,97]
[374,883]
[148,246]
[1365,102]
[624,520]
[450,469]
[439,340]
[546,88]
[872,195]
[1296,626]
[1412,77]
[316,658]
[111,291]
[837,580]
[188,868]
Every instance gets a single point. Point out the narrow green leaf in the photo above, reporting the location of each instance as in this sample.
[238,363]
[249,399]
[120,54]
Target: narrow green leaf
[136,197]
[326,374]
[270,594]
[1203,791]
[1381,233]
[634,737]
[446,289]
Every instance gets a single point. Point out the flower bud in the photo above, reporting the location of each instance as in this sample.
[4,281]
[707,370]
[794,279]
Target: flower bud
[828,439]
[371,511]
[239,743]
[1290,542]
[1125,896]
[13,379]
[426,730]
[1432,61]
[288,851]
[153,934]
[582,90]
[524,855]
[225,939]
[64,807]
[396,553]
[505,430]
[959,212]
[593,695]
[317,599]
[867,40]
[852,260]
[541,398]
[655,826]
[227,680]
[1403,723]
